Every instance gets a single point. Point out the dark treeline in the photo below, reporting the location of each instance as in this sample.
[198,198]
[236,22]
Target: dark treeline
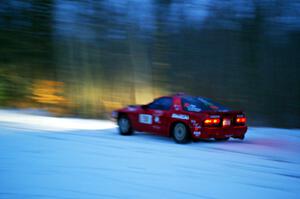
[89,57]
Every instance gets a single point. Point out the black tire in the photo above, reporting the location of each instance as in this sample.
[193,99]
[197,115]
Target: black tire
[221,139]
[181,133]
[124,124]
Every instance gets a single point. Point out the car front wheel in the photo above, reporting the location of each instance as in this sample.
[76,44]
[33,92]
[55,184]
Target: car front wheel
[125,127]
[180,133]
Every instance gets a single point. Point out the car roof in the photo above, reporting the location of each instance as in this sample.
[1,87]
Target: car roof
[186,95]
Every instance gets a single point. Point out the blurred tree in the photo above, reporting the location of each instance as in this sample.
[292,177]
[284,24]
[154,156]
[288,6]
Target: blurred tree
[112,53]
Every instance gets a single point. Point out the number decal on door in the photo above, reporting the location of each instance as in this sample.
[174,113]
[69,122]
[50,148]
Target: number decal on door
[145,119]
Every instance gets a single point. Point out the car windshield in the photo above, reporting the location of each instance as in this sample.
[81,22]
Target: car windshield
[197,104]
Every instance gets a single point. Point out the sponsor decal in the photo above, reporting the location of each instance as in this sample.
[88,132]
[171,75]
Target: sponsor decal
[180,116]
[145,118]
[197,133]
[193,108]
[158,112]
[196,124]
[176,107]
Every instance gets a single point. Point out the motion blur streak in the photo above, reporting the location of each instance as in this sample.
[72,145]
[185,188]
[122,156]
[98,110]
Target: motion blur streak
[105,54]
[47,123]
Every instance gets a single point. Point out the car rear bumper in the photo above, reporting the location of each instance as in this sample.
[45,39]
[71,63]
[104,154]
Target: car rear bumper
[217,132]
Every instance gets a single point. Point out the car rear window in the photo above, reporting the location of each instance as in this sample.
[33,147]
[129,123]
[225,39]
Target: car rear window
[197,104]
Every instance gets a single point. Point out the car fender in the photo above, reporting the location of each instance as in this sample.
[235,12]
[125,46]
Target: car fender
[174,121]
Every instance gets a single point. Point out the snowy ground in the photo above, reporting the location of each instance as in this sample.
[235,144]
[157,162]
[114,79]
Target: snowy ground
[46,157]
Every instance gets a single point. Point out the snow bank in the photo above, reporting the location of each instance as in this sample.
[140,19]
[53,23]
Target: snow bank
[48,123]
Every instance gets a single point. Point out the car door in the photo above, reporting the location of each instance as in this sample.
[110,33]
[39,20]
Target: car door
[160,112]
[145,118]
[154,116]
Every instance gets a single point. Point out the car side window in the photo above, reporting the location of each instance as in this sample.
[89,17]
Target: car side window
[163,103]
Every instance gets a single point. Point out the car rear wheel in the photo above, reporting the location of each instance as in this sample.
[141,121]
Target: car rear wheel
[125,127]
[221,139]
[180,133]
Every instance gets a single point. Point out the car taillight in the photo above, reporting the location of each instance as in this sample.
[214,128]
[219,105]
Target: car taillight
[214,121]
[240,120]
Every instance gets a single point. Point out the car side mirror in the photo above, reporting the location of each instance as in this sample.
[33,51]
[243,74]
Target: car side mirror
[144,106]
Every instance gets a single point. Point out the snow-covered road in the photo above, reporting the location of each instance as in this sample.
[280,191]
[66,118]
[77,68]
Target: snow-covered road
[76,158]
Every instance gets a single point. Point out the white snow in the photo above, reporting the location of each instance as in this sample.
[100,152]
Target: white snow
[46,123]
[76,158]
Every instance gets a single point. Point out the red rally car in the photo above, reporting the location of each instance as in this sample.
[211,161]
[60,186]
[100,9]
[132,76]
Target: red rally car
[183,117]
